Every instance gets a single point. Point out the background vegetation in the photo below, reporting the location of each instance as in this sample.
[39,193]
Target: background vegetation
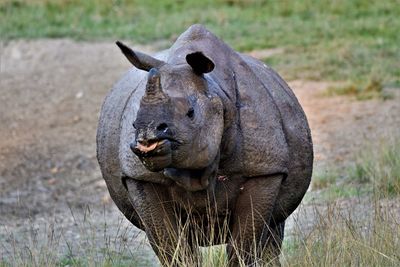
[349,236]
[355,41]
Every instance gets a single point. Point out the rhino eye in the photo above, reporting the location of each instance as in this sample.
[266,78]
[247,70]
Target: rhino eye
[190,113]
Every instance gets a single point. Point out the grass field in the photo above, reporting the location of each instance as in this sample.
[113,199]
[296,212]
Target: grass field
[376,171]
[355,41]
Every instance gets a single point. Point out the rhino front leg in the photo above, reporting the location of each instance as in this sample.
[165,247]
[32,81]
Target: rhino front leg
[252,228]
[158,215]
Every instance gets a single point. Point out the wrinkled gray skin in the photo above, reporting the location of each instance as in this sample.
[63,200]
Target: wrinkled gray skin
[203,133]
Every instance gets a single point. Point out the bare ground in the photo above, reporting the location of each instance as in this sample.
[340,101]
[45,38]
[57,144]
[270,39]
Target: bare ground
[50,96]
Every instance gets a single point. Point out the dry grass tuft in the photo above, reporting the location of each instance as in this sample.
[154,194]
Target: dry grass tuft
[381,168]
[339,238]
[374,89]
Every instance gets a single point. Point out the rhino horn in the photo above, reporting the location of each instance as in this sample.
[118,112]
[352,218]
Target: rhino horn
[139,60]
[154,92]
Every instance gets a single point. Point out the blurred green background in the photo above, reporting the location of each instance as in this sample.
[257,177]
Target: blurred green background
[354,41]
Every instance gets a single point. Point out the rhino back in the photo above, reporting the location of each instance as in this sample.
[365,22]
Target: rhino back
[293,119]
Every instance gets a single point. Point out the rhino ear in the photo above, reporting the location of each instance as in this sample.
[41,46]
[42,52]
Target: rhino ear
[140,60]
[200,63]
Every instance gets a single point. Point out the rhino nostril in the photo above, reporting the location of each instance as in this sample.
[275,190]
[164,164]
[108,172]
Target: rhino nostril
[143,142]
[163,127]
[132,146]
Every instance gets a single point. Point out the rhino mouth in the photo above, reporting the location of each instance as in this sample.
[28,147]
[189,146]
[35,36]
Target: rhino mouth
[155,147]
[156,154]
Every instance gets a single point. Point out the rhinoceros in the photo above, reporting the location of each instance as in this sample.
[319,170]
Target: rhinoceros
[198,140]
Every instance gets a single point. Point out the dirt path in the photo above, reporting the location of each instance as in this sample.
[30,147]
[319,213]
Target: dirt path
[50,95]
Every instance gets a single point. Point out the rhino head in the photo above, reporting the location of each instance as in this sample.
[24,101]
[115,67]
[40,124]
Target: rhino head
[179,123]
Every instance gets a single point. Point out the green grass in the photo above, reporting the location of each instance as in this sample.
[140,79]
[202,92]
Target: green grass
[338,239]
[372,89]
[330,184]
[376,171]
[366,234]
[323,179]
[323,40]
[381,168]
